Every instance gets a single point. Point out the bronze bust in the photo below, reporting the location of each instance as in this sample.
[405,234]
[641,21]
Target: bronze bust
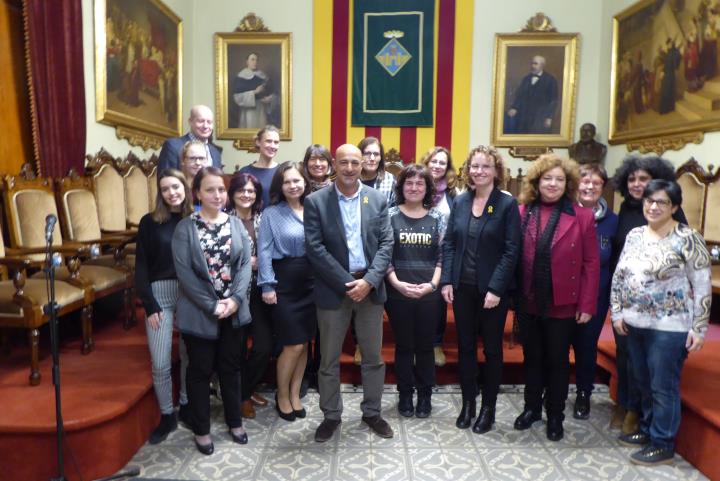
[587,150]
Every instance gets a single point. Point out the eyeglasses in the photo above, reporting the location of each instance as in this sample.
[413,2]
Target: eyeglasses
[370,155]
[661,203]
[196,160]
[247,191]
[482,167]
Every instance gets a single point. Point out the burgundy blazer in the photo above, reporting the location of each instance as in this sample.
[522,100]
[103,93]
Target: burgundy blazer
[575,260]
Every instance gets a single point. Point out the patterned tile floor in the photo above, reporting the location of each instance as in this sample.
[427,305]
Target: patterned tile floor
[431,449]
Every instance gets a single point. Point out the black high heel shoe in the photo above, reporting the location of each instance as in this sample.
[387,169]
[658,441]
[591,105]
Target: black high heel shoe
[206,449]
[239,438]
[286,416]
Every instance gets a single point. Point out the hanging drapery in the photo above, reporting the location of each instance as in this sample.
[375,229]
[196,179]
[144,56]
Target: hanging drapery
[54,52]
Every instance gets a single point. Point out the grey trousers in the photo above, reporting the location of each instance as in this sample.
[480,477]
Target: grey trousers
[160,345]
[333,325]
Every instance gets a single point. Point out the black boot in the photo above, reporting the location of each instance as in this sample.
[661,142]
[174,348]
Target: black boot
[423,408]
[168,424]
[405,405]
[485,420]
[527,418]
[467,413]
[582,405]
[555,430]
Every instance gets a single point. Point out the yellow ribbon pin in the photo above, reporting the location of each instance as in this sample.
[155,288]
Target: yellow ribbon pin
[490,209]
[365,200]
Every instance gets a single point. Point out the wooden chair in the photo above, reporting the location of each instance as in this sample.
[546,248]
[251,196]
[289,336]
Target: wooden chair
[150,168]
[27,203]
[693,181]
[22,299]
[393,162]
[79,219]
[137,192]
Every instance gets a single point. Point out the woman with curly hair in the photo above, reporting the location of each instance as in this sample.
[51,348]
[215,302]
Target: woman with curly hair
[630,180]
[480,254]
[559,273]
[440,165]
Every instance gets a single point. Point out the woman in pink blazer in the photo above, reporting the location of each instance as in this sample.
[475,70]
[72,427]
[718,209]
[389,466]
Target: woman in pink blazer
[559,270]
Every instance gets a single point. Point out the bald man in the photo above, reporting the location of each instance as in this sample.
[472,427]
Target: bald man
[535,103]
[201,124]
[349,243]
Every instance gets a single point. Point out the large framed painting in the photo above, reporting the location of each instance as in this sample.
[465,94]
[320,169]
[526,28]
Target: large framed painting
[138,69]
[253,76]
[665,81]
[534,86]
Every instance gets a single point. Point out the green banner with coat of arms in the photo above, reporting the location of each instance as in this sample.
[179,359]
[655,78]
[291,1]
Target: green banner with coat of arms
[393,63]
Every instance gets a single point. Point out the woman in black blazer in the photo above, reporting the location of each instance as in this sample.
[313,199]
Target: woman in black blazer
[480,251]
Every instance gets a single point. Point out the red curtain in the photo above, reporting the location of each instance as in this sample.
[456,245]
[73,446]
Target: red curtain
[55,56]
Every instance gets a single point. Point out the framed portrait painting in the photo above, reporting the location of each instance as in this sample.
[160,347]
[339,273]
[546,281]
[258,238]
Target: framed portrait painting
[253,75]
[534,84]
[665,76]
[138,69]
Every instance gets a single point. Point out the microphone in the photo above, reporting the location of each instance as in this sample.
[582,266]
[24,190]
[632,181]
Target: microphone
[50,222]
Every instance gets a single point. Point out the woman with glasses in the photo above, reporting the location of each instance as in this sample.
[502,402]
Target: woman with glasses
[373,171]
[630,180]
[480,253]
[194,158]
[245,202]
[592,181]
[660,301]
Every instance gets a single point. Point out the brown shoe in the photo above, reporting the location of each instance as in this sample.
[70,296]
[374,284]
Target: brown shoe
[631,423]
[258,400]
[247,410]
[326,430]
[618,415]
[379,425]
[357,359]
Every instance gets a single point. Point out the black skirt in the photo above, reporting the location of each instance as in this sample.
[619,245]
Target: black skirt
[294,316]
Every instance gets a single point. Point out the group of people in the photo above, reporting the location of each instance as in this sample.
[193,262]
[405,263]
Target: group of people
[296,252]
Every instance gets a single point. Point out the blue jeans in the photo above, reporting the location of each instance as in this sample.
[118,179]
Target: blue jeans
[628,393]
[657,359]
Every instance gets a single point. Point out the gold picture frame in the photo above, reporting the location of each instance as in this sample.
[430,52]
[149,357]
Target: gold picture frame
[549,123]
[250,94]
[138,70]
[665,80]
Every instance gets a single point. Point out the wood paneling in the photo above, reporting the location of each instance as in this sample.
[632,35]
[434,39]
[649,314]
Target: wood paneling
[15,121]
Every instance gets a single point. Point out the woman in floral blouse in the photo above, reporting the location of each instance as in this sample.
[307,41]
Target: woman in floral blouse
[660,299]
[211,253]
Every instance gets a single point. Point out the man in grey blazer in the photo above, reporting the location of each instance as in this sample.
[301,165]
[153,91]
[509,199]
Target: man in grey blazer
[201,124]
[349,243]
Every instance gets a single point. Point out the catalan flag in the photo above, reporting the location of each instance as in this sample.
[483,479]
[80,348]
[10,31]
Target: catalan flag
[333,31]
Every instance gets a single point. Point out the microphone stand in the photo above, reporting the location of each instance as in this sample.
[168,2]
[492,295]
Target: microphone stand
[51,310]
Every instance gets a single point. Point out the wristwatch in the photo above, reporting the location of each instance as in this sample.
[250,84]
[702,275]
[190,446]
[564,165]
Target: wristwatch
[433,285]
